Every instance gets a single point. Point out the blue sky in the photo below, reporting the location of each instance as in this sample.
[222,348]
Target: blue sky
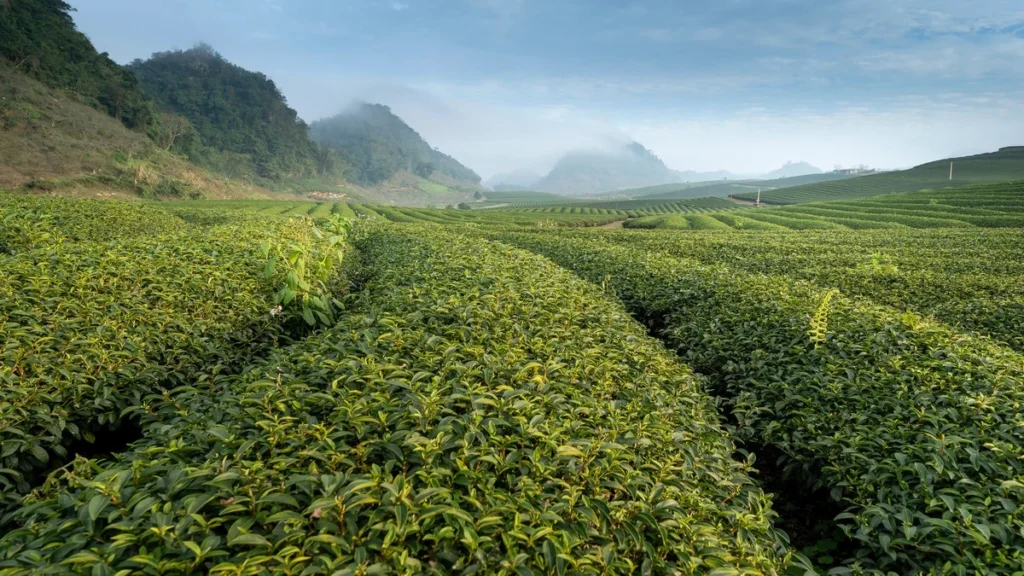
[729,84]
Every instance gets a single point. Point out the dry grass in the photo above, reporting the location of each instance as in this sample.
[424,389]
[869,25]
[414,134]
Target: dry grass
[44,135]
[52,144]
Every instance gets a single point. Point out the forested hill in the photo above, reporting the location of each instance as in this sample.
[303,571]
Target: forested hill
[631,166]
[377,145]
[232,110]
[39,38]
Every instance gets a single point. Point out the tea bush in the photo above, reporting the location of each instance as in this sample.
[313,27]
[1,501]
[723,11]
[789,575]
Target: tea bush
[476,410]
[88,329]
[914,427]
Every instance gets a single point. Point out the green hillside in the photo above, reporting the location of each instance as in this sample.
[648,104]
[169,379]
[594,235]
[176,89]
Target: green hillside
[39,38]
[686,190]
[976,206]
[52,143]
[1002,166]
[719,189]
[801,180]
[520,198]
[237,120]
[377,145]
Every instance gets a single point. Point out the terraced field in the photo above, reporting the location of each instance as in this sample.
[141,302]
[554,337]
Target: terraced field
[313,388]
[1003,166]
[861,404]
[985,205]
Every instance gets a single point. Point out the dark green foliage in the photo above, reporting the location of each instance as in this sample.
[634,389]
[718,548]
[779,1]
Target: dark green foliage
[487,414]
[233,110]
[377,144]
[39,38]
[94,316]
[423,169]
[977,290]
[913,427]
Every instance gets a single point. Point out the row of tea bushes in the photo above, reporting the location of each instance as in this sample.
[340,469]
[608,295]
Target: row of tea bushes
[970,279]
[30,221]
[89,329]
[914,427]
[477,410]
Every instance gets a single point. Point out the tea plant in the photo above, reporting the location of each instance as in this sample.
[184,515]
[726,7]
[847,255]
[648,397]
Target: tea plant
[476,410]
[89,328]
[306,268]
[913,426]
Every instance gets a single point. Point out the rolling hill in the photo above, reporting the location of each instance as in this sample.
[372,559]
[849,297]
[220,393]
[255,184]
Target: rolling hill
[52,143]
[589,173]
[1002,166]
[377,145]
[686,190]
[791,169]
[236,120]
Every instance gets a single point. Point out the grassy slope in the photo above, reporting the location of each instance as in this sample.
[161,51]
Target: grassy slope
[1005,165]
[52,143]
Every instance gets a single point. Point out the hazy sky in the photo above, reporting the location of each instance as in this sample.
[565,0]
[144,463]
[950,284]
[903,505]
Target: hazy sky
[743,85]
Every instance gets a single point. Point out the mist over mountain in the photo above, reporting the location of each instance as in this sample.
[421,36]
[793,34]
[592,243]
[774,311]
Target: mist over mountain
[791,169]
[514,180]
[693,176]
[377,145]
[585,173]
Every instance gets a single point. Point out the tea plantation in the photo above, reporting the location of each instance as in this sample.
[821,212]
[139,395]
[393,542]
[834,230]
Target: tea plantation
[286,387]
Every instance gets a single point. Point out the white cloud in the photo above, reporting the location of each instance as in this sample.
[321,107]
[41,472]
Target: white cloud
[398,6]
[900,134]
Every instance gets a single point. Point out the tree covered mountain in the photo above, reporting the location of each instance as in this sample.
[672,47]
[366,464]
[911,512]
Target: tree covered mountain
[377,144]
[236,117]
[584,173]
[39,38]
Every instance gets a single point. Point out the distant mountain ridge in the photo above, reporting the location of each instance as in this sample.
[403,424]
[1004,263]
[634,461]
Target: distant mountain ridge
[515,180]
[377,145]
[792,169]
[630,166]
[587,173]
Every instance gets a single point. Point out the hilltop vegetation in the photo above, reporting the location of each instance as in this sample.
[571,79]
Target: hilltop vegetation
[39,38]
[378,145]
[1002,166]
[51,143]
[237,120]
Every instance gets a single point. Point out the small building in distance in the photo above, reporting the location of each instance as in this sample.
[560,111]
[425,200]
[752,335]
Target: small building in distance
[854,171]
